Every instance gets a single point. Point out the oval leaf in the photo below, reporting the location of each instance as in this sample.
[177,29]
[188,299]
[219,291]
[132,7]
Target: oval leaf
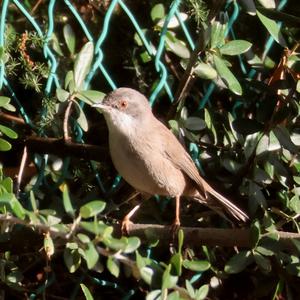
[157,12]
[92,208]
[62,95]
[4,101]
[8,132]
[196,265]
[227,76]
[238,262]
[69,38]
[82,64]
[272,27]
[235,47]
[86,292]
[194,123]
[90,96]
[4,145]
[205,71]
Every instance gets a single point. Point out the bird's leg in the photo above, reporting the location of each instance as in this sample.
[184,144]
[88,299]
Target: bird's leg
[126,221]
[176,223]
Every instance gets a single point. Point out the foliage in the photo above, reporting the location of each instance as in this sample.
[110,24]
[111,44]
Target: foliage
[234,90]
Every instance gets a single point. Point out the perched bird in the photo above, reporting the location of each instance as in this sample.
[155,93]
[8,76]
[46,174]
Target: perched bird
[150,158]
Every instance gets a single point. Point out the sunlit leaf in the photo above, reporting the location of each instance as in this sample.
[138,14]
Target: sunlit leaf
[92,208]
[4,145]
[272,27]
[69,36]
[113,266]
[157,12]
[82,64]
[235,47]
[205,71]
[62,95]
[227,76]
[86,292]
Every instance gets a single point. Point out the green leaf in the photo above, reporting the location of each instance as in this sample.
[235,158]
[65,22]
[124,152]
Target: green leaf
[33,201]
[67,201]
[81,120]
[91,255]
[55,44]
[90,96]
[190,289]
[176,262]
[294,204]
[284,138]
[145,57]
[4,101]
[227,76]
[176,46]
[113,266]
[70,38]
[8,132]
[92,208]
[273,28]
[157,12]
[154,295]
[97,228]
[255,234]
[168,281]
[264,251]
[194,123]
[235,47]
[246,126]
[217,34]
[83,238]
[147,274]
[173,23]
[205,71]
[62,95]
[202,292]
[17,208]
[196,265]
[86,292]
[263,263]
[69,81]
[116,244]
[7,183]
[82,64]
[4,145]
[72,258]
[238,262]
[132,244]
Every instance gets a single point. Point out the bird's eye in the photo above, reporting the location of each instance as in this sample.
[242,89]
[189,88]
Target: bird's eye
[123,104]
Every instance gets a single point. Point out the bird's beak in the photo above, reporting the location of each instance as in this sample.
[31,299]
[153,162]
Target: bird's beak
[101,106]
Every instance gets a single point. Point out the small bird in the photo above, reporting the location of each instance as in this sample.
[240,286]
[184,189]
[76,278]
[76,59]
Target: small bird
[149,156]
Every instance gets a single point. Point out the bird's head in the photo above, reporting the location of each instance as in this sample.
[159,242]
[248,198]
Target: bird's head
[124,107]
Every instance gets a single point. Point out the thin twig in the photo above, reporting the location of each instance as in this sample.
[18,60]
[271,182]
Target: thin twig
[21,170]
[11,118]
[66,121]
[62,149]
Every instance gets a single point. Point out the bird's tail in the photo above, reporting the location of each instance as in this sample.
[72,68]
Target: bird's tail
[225,204]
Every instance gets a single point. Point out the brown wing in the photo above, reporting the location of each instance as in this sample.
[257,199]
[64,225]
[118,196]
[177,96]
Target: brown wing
[175,152]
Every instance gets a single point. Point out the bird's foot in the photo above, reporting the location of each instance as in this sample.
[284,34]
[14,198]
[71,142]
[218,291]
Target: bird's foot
[125,226]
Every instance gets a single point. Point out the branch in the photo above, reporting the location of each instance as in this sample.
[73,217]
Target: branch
[195,237]
[62,149]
